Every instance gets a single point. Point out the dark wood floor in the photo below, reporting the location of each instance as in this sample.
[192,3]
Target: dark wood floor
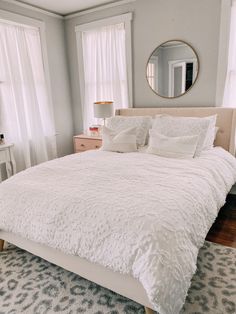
[223,230]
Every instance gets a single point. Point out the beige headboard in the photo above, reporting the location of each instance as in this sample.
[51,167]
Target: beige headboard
[226,120]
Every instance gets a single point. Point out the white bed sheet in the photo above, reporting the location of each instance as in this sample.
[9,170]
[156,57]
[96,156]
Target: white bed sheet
[134,213]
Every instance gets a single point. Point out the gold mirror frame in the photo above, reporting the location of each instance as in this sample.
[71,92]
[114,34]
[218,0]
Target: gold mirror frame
[197,72]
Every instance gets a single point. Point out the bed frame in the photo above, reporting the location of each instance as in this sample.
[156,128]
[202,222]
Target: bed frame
[119,283]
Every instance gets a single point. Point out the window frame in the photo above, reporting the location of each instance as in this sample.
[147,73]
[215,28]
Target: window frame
[28,22]
[154,61]
[79,29]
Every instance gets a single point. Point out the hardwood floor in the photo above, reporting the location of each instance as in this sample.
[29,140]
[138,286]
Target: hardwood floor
[223,230]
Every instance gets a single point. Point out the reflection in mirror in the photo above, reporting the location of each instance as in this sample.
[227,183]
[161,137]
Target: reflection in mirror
[172,69]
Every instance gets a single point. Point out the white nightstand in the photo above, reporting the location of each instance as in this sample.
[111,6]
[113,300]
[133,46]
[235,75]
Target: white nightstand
[85,142]
[7,158]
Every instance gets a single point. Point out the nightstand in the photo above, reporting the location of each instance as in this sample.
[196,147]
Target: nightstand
[7,158]
[85,142]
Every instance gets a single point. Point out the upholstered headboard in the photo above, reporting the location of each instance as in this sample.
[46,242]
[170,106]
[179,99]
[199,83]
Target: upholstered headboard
[226,120]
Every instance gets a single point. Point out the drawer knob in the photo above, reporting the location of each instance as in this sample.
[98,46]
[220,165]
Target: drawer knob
[97,146]
[82,145]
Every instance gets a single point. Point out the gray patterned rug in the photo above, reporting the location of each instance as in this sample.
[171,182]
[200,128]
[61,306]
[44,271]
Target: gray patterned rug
[31,285]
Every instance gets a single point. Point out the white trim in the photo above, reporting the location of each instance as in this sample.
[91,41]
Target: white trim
[223,47]
[194,60]
[33,8]
[123,18]
[18,19]
[171,73]
[100,8]
[128,47]
[47,75]
[154,60]
[80,68]
[8,22]
[173,46]
[172,66]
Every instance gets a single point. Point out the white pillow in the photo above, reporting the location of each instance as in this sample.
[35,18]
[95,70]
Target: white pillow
[122,142]
[142,123]
[174,147]
[173,126]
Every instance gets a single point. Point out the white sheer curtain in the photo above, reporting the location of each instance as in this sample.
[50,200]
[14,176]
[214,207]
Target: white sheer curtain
[26,116]
[229,99]
[105,70]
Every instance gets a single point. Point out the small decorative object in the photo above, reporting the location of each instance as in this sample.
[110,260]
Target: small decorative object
[103,110]
[2,141]
[94,130]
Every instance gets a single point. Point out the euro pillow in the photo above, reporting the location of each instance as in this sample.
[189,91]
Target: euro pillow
[172,126]
[173,147]
[141,123]
[121,142]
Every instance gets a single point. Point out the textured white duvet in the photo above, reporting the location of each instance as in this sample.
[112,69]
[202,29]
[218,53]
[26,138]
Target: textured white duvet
[135,213]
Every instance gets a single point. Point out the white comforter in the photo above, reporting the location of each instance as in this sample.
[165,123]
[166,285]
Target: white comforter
[135,213]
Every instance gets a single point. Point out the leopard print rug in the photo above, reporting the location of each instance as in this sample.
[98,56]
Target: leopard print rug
[30,285]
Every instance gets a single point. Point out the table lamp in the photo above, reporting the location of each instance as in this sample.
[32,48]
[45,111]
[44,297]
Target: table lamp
[103,109]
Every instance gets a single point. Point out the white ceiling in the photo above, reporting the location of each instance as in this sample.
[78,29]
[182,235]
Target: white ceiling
[64,7]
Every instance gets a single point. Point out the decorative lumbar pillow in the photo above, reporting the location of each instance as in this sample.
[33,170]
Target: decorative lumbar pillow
[174,147]
[142,123]
[121,142]
[173,126]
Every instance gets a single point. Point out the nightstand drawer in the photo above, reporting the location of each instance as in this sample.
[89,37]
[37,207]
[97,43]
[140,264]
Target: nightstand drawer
[82,144]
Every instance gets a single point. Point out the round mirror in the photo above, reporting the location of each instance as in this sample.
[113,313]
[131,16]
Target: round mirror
[172,69]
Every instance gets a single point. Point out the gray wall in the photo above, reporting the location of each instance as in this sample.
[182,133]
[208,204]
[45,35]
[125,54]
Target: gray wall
[58,67]
[155,21]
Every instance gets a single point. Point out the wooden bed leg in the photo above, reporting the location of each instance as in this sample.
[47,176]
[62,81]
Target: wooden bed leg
[148,311]
[1,245]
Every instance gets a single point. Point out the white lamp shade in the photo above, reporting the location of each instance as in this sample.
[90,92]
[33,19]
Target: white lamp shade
[103,109]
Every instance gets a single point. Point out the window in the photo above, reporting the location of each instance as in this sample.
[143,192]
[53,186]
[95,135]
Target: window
[26,112]
[152,72]
[104,51]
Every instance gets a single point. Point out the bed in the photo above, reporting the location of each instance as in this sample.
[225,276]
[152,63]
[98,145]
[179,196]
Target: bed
[139,286]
